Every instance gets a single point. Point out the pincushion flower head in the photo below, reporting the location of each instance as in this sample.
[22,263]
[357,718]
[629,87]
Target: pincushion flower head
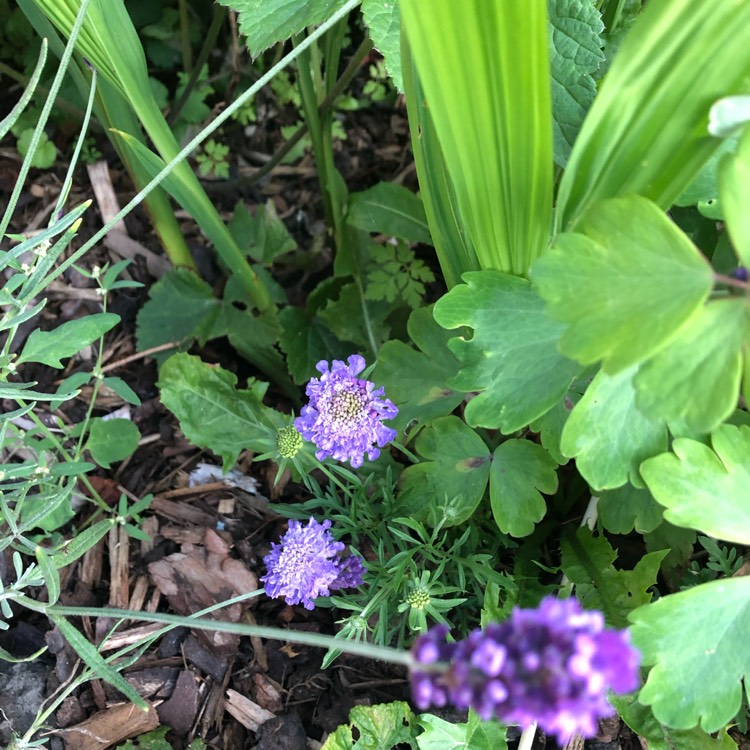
[344,418]
[307,563]
[552,665]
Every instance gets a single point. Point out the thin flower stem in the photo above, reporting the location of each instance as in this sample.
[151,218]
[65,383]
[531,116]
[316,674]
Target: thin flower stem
[527,737]
[382,653]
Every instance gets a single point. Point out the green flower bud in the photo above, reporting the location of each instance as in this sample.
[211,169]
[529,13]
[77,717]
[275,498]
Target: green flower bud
[288,442]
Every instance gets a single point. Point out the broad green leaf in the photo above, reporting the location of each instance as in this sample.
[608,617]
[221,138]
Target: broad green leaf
[520,472]
[379,727]
[449,484]
[416,379]
[627,508]
[642,721]
[575,55]
[705,489]
[384,22]
[112,440]
[625,287]
[49,347]
[179,304]
[587,561]
[696,378]
[697,641]
[346,319]
[646,131]
[734,178]
[266,22]
[212,412]
[391,209]
[705,185]
[475,734]
[678,542]
[263,236]
[305,341]
[607,434]
[512,358]
[489,95]
[550,425]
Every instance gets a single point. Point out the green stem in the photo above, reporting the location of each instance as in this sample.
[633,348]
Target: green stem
[368,650]
[204,134]
[220,13]
[187,52]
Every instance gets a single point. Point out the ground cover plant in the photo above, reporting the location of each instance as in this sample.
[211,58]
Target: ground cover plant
[502,416]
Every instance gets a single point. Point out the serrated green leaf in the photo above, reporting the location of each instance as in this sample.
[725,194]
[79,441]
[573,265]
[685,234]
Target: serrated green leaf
[512,358]
[384,22]
[607,434]
[697,642]
[387,208]
[180,303]
[587,561]
[696,378]
[49,347]
[416,380]
[213,413]
[263,236]
[520,472]
[642,721]
[734,177]
[266,22]
[112,440]
[382,726]
[626,508]
[450,483]
[625,287]
[678,542]
[575,55]
[475,734]
[704,488]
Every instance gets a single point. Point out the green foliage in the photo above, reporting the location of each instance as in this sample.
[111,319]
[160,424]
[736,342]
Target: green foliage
[379,727]
[607,434]
[733,179]
[155,740]
[491,111]
[629,508]
[389,209]
[705,487]
[416,378]
[575,55]
[266,22]
[50,347]
[587,561]
[213,413]
[45,154]
[625,286]
[263,236]
[659,737]
[512,358]
[384,22]
[472,735]
[694,639]
[397,275]
[112,440]
[212,160]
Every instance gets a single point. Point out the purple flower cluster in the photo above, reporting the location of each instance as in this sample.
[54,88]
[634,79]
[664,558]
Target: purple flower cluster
[345,413]
[552,665]
[307,564]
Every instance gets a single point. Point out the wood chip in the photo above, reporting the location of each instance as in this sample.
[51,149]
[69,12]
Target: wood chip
[106,200]
[247,712]
[119,564]
[109,727]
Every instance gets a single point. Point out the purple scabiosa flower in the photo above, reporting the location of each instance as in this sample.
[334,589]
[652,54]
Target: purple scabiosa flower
[552,665]
[345,413]
[307,564]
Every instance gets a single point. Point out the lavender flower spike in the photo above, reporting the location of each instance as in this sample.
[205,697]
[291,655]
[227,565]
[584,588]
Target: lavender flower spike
[552,665]
[345,413]
[307,564]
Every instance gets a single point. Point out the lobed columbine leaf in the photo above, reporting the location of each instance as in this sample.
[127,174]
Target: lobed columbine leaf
[552,665]
[345,413]
[307,564]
